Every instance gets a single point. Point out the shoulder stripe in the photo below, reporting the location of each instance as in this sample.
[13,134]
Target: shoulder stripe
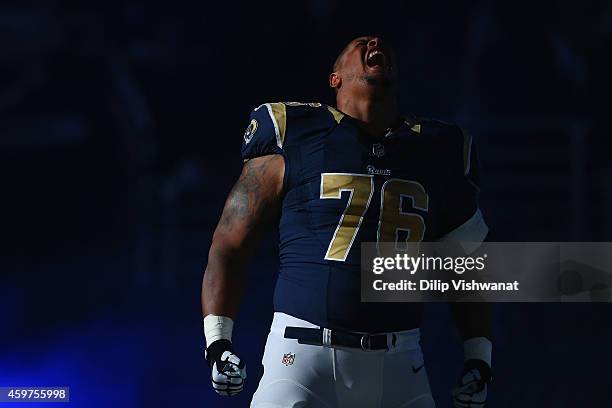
[469,234]
[336,114]
[412,125]
[278,113]
[467,151]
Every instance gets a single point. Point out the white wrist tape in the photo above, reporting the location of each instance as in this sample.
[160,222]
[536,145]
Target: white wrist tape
[479,348]
[217,328]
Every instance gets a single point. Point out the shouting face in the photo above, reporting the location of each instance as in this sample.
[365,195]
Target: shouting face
[364,62]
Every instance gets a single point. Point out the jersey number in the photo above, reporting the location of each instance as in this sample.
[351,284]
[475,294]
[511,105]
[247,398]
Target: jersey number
[392,219]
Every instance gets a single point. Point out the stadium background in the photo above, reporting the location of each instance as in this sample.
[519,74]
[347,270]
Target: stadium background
[121,125]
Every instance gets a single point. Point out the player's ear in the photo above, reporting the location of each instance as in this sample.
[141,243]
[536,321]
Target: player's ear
[334,80]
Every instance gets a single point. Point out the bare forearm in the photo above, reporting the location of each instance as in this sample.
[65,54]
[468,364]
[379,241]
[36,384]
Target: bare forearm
[223,283]
[251,205]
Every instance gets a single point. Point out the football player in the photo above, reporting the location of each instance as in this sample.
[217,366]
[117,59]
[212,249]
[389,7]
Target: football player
[336,177]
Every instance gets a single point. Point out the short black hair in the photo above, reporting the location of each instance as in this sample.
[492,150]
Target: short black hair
[339,58]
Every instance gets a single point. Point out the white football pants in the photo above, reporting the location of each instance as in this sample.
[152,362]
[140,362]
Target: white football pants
[307,376]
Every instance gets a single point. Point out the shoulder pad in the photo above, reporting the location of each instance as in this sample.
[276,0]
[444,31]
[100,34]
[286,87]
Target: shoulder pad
[455,138]
[435,127]
[297,110]
[265,133]
[277,114]
[310,104]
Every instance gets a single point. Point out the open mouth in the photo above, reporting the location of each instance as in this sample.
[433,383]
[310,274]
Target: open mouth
[375,59]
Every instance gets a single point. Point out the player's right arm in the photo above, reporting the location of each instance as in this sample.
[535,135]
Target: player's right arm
[252,205]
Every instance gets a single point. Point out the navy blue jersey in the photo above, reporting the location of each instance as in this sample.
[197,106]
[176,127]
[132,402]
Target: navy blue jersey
[343,187]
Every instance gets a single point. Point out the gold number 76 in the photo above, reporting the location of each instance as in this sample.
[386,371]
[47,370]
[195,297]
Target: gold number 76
[392,218]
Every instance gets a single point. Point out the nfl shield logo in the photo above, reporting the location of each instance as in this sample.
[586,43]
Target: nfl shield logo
[378,150]
[288,359]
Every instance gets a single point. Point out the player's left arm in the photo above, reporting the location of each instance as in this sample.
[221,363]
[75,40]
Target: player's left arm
[252,207]
[473,319]
[473,322]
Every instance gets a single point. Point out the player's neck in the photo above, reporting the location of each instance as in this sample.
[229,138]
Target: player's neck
[375,114]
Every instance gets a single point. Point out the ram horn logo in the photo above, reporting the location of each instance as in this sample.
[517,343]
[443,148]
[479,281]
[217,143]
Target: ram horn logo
[250,131]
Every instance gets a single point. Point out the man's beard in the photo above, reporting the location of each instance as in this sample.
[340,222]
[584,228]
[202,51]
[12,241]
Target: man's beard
[378,80]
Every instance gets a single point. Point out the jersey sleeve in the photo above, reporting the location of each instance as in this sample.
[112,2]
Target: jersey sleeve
[464,220]
[266,131]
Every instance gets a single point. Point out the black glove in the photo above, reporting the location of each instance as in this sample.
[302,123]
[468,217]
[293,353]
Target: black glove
[228,372]
[471,390]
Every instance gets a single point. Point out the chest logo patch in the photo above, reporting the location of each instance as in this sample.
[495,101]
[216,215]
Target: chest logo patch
[378,150]
[378,172]
[250,131]
[288,359]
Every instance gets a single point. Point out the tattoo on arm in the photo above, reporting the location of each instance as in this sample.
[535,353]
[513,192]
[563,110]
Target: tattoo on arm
[254,192]
[253,202]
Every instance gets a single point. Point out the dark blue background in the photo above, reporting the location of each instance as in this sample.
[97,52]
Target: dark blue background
[121,125]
